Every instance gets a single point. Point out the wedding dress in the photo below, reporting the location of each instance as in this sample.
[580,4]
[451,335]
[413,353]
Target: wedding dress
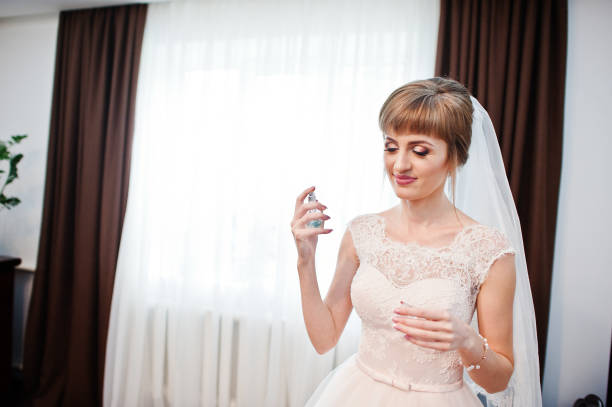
[389,370]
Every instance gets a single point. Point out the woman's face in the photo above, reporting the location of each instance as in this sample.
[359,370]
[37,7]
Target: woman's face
[416,164]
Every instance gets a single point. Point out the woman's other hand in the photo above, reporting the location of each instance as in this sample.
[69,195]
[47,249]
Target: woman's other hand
[434,329]
[306,237]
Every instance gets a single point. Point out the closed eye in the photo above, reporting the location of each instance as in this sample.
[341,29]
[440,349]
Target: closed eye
[421,153]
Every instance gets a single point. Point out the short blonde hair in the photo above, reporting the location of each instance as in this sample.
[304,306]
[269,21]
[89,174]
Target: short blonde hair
[437,107]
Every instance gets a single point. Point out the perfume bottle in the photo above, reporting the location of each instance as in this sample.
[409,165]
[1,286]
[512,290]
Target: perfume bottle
[315,223]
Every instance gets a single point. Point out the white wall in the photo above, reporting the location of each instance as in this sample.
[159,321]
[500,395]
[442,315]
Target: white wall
[27,47]
[578,349]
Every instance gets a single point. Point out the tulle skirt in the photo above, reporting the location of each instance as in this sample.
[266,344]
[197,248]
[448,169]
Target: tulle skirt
[348,385]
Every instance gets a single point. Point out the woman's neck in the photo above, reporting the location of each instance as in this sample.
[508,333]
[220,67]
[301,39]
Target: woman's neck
[433,210]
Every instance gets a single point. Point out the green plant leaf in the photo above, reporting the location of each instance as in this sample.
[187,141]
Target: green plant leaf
[18,137]
[13,159]
[13,201]
[8,203]
[13,168]
[4,151]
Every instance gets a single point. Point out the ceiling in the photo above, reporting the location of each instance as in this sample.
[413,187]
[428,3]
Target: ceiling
[13,8]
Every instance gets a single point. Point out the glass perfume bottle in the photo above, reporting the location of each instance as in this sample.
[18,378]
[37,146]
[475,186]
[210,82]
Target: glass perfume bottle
[315,223]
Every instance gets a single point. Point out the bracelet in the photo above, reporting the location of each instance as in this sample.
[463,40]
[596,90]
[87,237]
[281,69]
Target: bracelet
[485,347]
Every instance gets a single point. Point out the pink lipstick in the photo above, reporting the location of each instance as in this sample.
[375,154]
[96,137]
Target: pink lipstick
[404,179]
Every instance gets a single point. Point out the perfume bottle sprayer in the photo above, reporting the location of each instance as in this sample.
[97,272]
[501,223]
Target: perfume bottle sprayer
[315,223]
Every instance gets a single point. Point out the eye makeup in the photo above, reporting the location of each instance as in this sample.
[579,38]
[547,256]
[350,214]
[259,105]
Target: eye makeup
[392,140]
[421,151]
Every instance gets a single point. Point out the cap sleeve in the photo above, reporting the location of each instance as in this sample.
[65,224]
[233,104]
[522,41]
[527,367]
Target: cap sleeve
[363,228]
[493,245]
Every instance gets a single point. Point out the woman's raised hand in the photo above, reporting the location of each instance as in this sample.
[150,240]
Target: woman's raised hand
[434,329]
[306,237]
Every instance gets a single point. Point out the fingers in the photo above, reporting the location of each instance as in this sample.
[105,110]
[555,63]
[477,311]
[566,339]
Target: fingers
[302,196]
[312,216]
[441,346]
[429,328]
[306,232]
[432,314]
[302,216]
[422,334]
[304,208]
[443,326]
[300,223]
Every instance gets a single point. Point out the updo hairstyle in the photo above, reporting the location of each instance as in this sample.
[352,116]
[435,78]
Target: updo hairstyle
[437,107]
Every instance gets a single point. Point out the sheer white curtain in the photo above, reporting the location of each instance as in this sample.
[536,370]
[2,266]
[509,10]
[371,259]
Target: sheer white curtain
[241,105]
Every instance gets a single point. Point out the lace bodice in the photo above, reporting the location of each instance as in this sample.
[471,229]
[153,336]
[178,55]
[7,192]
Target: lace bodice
[447,277]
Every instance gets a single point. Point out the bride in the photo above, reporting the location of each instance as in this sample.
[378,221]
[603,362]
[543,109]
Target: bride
[418,272]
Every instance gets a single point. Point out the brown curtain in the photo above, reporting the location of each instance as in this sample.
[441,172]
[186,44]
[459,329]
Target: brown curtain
[92,121]
[511,54]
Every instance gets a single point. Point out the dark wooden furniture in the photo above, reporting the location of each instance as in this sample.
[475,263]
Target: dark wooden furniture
[7,281]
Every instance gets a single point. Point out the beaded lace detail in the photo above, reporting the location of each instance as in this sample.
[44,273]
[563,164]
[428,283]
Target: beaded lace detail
[447,277]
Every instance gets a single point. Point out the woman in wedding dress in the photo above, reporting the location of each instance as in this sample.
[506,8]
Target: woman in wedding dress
[416,273]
